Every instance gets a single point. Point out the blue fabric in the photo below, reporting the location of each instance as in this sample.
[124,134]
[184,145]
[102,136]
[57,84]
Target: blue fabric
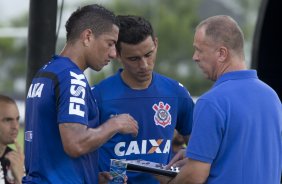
[59,93]
[237,128]
[159,109]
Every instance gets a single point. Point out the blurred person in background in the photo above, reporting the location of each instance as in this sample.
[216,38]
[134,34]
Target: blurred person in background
[158,103]
[236,136]
[12,161]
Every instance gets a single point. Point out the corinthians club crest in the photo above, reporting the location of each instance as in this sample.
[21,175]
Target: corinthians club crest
[162,116]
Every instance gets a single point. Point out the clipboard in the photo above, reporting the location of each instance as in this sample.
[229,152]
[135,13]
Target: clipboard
[150,167]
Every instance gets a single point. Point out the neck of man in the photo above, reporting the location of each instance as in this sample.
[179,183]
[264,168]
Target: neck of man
[133,84]
[232,66]
[72,51]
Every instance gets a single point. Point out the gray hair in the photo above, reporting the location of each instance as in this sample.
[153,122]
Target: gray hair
[224,30]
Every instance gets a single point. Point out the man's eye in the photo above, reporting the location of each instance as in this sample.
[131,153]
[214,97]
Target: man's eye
[6,120]
[111,44]
[133,59]
[148,55]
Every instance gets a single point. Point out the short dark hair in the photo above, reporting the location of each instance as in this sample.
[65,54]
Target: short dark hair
[6,99]
[94,17]
[133,30]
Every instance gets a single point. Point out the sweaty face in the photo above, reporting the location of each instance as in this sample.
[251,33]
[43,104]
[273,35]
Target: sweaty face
[9,123]
[102,49]
[205,55]
[138,62]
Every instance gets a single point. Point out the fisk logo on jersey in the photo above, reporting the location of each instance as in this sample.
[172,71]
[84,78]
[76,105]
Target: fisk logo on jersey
[144,147]
[162,116]
[77,91]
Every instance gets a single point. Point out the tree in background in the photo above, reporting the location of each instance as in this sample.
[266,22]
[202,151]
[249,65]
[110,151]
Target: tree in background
[174,23]
[13,61]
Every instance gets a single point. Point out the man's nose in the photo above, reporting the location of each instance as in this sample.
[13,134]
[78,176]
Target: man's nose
[15,124]
[195,57]
[113,53]
[143,63]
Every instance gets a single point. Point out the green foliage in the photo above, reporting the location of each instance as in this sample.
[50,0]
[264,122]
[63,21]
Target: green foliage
[21,21]
[251,8]
[13,64]
[5,46]
[173,21]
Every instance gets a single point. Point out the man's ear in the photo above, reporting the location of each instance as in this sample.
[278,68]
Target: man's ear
[86,37]
[156,41]
[222,54]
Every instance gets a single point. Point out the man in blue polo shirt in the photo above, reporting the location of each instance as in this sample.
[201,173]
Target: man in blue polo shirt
[236,137]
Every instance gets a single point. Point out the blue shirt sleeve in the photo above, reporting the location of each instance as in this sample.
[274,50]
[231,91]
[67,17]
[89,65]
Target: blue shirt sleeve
[207,133]
[72,100]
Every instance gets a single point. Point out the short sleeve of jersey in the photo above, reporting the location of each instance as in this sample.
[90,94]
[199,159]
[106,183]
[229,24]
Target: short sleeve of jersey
[185,113]
[207,133]
[72,97]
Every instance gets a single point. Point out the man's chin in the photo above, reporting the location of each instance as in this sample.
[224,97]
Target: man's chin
[96,68]
[11,142]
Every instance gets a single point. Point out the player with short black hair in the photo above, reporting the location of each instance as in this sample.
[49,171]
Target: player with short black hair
[159,104]
[62,133]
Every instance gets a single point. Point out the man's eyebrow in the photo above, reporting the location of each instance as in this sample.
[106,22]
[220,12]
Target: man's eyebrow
[7,118]
[10,118]
[130,57]
[150,52]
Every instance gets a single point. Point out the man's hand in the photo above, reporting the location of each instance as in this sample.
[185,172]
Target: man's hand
[178,160]
[126,123]
[105,177]
[78,139]
[16,159]
[164,179]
